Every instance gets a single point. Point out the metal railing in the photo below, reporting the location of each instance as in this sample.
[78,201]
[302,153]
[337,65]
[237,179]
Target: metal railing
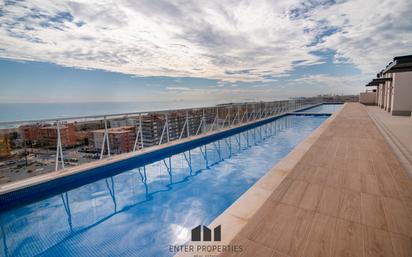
[126,132]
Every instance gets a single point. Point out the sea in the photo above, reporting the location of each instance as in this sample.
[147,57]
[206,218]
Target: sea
[37,111]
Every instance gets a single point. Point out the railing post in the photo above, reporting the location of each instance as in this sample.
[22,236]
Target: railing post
[187,124]
[165,130]
[204,120]
[141,130]
[217,116]
[247,113]
[229,113]
[238,115]
[105,140]
[266,109]
[226,118]
[256,111]
[139,134]
[59,149]
[136,140]
[215,119]
[201,124]
[167,127]
[261,110]
[107,137]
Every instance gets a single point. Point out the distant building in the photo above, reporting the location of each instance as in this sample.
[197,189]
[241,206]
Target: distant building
[5,147]
[83,129]
[82,137]
[89,125]
[47,135]
[121,139]
[153,124]
[121,123]
[30,133]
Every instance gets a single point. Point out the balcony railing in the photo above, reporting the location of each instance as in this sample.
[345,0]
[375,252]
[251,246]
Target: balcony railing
[34,147]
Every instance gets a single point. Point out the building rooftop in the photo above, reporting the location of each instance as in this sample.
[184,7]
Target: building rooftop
[377,81]
[399,64]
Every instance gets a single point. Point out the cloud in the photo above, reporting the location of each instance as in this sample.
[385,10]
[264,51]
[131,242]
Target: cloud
[247,41]
[178,88]
[370,33]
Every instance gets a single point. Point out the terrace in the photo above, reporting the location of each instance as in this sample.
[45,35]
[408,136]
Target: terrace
[341,192]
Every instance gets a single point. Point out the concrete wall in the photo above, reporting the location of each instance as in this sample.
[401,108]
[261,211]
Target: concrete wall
[388,93]
[368,98]
[402,93]
[381,99]
[385,97]
[378,94]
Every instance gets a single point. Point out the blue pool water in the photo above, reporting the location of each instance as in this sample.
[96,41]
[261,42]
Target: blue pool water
[324,108]
[143,210]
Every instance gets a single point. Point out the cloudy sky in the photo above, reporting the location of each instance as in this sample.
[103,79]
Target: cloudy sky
[127,50]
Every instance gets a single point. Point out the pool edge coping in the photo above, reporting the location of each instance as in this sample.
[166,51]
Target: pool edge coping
[237,215]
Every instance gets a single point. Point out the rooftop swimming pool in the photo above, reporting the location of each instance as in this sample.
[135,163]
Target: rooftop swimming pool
[142,210]
[323,108]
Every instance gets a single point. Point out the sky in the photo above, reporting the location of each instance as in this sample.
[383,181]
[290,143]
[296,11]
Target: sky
[228,50]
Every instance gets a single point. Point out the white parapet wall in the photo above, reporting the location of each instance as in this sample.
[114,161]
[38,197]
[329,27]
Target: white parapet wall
[368,98]
[388,93]
[402,94]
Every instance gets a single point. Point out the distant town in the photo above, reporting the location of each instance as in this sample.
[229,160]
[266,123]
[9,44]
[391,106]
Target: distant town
[29,149]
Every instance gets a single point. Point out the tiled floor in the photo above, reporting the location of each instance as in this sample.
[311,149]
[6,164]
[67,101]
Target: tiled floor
[348,196]
[398,131]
